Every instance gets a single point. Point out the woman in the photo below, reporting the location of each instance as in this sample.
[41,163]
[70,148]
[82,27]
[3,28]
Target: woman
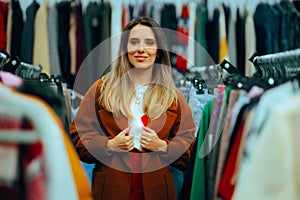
[133,122]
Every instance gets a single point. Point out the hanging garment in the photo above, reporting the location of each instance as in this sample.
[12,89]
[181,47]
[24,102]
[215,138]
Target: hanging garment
[276,177]
[213,37]
[199,190]
[226,185]
[60,158]
[72,36]
[240,39]
[80,40]
[223,47]
[200,34]
[3,24]
[231,37]
[216,131]
[224,138]
[52,27]
[9,28]
[12,172]
[16,29]
[28,33]
[183,39]
[263,22]
[125,15]
[283,39]
[64,10]
[169,21]
[293,25]
[250,45]
[225,188]
[41,54]
[97,21]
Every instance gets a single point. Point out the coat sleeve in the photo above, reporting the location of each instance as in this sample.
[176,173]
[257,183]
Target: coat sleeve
[86,125]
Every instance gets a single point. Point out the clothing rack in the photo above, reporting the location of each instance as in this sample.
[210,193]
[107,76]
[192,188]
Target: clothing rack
[205,77]
[271,70]
[16,66]
[283,63]
[30,72]
[277,57]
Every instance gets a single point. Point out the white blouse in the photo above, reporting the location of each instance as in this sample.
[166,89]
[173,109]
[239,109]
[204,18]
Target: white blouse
[137,111]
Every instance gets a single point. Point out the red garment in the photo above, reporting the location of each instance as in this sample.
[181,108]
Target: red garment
[80,40]
[185,13]
[136,190]
[32,159]
[3,23]
[9,153]
[183,38]
[125,15]
[35,185]
[226,188]
[181,63]
[29,178]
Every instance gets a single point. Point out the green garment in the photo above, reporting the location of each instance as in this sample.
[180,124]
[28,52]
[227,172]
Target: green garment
[198,190]
[200,34]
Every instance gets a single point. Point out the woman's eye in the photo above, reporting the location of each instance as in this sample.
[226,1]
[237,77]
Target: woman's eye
[149,42]
[134,42]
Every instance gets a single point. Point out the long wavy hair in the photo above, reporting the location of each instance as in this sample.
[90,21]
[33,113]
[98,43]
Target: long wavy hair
[118,89]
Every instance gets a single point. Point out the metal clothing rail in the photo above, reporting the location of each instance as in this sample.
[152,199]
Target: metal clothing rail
[291,56]
[285,63]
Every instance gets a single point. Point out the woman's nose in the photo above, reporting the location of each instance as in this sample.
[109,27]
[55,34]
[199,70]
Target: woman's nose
[141,46]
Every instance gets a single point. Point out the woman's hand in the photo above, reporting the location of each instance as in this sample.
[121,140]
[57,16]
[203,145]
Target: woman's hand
[150,141]
[122,142]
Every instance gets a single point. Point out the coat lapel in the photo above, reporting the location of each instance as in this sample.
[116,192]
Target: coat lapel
[115,124]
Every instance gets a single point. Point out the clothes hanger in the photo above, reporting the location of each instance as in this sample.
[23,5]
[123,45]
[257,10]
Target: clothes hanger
[75,95]
[277,68]
[4,57]
[11,65]
[25,70]
[29,71]
[236,79]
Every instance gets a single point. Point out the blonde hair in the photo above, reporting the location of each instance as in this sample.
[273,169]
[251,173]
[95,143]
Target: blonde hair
[118,90]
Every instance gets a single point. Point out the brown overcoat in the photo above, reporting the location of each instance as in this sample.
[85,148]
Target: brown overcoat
[111,175]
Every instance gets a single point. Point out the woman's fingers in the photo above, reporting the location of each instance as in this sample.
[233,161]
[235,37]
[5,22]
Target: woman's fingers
[125,131]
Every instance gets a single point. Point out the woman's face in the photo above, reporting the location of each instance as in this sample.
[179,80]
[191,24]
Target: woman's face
[142,47]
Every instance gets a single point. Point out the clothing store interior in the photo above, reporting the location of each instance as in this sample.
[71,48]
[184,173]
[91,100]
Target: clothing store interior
[236,62]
